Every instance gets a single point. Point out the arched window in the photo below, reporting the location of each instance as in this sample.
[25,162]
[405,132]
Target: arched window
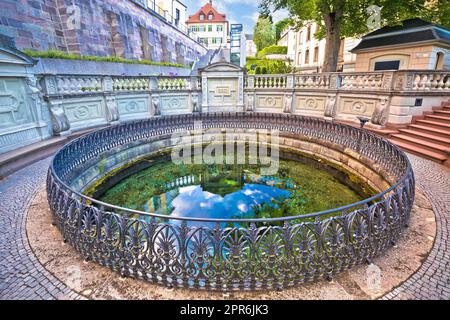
[389,62]
[439,61]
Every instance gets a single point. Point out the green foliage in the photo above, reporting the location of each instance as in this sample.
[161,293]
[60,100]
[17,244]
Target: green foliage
[267,66]
[355,14]
[55,54]
[263,33]
[280,26]
[345,18]
[272,50]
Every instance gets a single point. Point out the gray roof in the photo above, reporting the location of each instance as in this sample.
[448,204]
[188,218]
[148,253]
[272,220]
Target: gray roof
[410,32]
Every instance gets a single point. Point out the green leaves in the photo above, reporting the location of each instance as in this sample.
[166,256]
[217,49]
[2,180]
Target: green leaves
[263,33]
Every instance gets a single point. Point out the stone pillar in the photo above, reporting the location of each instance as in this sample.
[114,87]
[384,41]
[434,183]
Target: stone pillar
[204,92]
[288,105]
[112,111]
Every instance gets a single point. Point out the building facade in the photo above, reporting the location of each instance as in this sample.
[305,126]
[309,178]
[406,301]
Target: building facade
[307,53]
[174,10]
[210,26]
[415,45]
[250,46]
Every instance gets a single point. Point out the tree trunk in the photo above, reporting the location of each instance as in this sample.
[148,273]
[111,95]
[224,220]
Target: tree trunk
[333,24]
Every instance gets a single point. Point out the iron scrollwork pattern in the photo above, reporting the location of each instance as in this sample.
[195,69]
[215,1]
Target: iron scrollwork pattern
[230,254]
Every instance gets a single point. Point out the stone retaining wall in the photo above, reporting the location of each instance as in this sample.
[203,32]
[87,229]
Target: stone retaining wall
[96,27]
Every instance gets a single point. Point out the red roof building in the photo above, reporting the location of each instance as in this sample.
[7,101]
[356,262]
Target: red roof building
[207,13]
[210,26]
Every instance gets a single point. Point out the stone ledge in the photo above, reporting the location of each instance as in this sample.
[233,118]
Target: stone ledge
[17,159]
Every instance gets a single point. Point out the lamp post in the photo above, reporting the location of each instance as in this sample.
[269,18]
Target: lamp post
[363,121]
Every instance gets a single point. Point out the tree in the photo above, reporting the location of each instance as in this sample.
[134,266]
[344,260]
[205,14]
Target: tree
[264,32]
[348,18]
[280,26]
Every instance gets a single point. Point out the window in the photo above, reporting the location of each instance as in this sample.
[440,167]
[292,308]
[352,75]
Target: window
[177,16]
[202,16]
[204,40]
[307,56]
[219,28]
[210,16]
[216,40]
[308,34]
[389,62]
[316,54]
[439,61]
[299,58]
[387,65]
[210,28]
[300,37]
[202,28]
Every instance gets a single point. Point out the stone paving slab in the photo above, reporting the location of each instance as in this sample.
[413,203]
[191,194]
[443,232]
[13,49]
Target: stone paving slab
[21,274]
[432,280]
[23,277]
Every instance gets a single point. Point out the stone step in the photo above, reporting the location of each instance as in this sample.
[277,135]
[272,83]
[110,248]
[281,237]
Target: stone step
[423,152]
[427,136]
[436,124]
[443,111]
[423,143]
[437,117]
[427,129]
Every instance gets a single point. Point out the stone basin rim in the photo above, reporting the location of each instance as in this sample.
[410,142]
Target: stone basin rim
[408,172]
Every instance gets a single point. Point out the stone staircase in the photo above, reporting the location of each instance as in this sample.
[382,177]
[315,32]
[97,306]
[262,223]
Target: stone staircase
[428,136]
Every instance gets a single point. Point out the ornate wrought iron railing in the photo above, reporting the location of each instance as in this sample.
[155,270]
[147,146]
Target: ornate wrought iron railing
[220,254]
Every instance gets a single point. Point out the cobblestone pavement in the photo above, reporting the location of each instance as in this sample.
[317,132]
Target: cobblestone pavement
[432,280]
[23,277]
[21,274]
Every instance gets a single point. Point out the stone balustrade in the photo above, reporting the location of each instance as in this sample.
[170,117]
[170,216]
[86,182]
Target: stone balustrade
[385,97]
[390,98]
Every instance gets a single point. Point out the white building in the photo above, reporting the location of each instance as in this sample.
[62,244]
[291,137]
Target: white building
[308,53]
[210,26]
[250,46]
[174,11]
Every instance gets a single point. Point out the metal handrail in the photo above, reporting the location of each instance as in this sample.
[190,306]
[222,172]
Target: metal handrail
[255,220]
[218,254]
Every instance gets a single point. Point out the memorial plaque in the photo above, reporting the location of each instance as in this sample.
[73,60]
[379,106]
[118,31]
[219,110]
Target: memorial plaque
[222,91]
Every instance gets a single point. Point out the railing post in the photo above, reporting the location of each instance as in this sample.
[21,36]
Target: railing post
[153,84]
[289,94]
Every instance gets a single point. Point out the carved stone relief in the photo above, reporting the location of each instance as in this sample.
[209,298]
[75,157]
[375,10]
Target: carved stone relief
[380,115]
[112,110]
[272,102]
[250,106]
[156,105]
[358,107]
[196,107]
[330,108]
[287,103]
[60,122]
[14,107]
[311,103]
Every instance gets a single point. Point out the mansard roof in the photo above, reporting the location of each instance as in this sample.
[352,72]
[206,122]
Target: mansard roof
[206,10]
[411,32]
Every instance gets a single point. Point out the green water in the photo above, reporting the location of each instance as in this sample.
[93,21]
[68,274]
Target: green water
[233,191]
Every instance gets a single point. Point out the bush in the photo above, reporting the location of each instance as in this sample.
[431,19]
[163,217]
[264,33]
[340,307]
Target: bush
[55,54]
[266,66]
[272,50]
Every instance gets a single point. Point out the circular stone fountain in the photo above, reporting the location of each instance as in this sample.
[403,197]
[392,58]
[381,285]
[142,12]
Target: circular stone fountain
[339,196]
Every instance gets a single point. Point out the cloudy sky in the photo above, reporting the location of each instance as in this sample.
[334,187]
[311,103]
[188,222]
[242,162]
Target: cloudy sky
[237,11]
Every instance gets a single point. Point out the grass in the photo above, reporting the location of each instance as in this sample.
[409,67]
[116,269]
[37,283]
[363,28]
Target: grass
[56,54]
